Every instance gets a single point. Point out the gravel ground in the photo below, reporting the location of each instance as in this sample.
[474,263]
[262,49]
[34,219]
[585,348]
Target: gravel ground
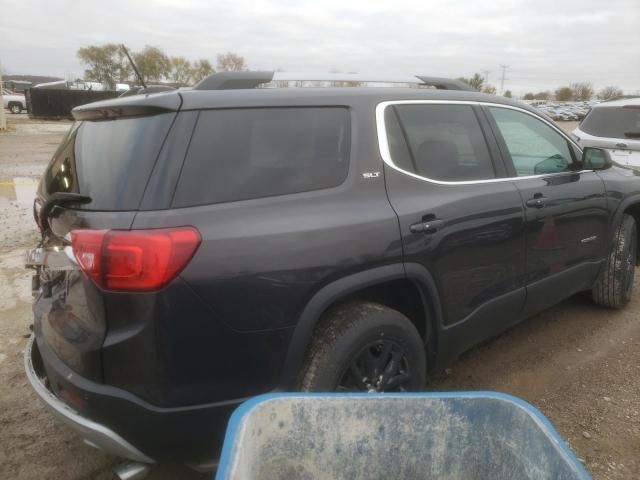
[577,363]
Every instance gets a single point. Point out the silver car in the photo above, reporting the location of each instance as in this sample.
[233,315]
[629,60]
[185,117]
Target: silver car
[615,126]
[15,102]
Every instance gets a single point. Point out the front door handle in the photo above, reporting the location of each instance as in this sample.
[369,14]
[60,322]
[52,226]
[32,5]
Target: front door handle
[426,227]
[537,201]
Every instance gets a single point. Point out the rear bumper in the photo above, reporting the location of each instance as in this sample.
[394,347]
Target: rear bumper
[95,433]
[122,424]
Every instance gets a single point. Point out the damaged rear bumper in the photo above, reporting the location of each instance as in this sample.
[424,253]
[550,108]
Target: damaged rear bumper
[95,433]
[121,423]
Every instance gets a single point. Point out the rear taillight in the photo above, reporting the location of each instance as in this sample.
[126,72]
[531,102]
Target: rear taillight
[134,260]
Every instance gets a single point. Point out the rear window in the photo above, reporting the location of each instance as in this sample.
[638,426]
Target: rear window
[239,154]
[613,122]
[440,142]
[110,161]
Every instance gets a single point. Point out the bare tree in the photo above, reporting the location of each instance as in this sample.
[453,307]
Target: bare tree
[201,69]
[542,95]
[564,94]
[581,91]
[231,62]
[181,71]
[477,81]
[153,63]
[107,64]
[489,89]
[607,93]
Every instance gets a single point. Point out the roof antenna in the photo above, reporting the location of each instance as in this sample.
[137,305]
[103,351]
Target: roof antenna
[133,65]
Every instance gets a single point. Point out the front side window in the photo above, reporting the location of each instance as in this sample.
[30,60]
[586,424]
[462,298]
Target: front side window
[535,148]
[439,142]
[240,154]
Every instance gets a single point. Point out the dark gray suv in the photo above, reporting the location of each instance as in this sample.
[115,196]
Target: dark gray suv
[202,246]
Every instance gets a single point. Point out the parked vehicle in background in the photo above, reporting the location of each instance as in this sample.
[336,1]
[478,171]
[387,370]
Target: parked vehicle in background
[615,126]
[16,86]
[81,85]
[564,111]
[15,102]
[203,246]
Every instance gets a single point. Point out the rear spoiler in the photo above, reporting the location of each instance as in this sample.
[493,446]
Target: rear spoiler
[133,106]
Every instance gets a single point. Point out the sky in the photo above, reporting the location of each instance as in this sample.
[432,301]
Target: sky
[544,43]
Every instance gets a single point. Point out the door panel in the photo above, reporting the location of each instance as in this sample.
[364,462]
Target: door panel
[570,228]
[566,208]
[463,227]
[476,253]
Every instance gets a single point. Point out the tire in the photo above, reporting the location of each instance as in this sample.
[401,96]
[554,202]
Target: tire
[15,108]
[364,347]
[614,285]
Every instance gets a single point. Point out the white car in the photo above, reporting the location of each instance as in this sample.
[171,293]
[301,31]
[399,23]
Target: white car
[15,102]
[615,126]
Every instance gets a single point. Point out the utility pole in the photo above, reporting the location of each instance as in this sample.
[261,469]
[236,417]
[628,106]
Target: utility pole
[503,78]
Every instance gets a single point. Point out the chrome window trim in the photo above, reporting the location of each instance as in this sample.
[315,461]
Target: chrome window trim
[383,142]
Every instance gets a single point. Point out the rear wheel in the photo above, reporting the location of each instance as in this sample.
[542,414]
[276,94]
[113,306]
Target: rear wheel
[15,108]
[365,347]
[615,283]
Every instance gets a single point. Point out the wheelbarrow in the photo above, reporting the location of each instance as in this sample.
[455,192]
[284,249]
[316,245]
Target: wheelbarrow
[461,436]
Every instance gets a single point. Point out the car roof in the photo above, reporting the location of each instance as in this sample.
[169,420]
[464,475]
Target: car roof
[327,95]
[289,96]
[620,103]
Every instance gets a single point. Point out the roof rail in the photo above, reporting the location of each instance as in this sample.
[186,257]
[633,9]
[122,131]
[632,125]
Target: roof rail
[244,80]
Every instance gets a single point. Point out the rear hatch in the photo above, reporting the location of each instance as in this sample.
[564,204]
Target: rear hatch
[95,182]
[616,128]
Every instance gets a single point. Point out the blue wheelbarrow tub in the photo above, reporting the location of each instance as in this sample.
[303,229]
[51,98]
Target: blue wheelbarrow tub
[461,436]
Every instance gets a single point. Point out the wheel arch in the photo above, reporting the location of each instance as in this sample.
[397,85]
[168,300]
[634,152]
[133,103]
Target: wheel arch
[379,285]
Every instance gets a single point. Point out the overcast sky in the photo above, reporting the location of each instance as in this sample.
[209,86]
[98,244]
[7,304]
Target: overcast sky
[545,43]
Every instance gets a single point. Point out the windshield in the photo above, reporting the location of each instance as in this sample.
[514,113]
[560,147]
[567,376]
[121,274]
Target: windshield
[109,161]
[613,122]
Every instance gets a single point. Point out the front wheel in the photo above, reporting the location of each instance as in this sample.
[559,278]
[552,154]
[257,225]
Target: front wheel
[614,285]
[15,108]
[365,347]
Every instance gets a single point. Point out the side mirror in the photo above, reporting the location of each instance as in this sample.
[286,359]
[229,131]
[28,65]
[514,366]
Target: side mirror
[596,159]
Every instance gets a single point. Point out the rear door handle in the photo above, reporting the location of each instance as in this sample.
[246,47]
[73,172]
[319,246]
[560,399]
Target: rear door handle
[426,227]
[537,202]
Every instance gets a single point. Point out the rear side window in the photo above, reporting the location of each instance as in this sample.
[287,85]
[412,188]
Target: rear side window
[110,160]
[613,122]
[239,154]
[440,142]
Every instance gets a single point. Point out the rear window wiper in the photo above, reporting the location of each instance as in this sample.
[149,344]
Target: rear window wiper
[59,198]
[632,134]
